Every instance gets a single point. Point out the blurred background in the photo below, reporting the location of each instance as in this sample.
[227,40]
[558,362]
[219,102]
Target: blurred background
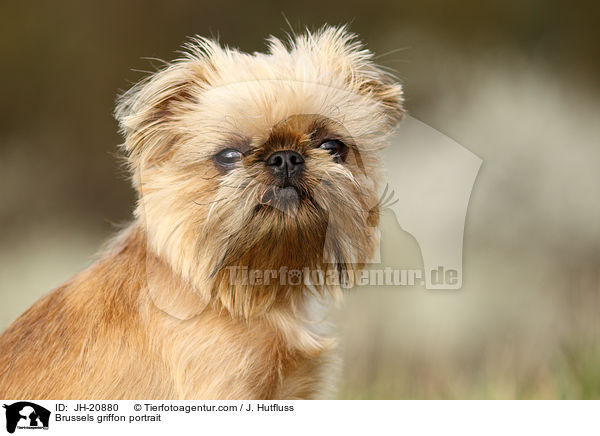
[515,82]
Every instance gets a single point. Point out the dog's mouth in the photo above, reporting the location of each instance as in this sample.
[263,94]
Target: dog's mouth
[285,198]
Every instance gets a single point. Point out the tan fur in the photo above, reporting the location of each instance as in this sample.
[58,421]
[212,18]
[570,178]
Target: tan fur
[158,315]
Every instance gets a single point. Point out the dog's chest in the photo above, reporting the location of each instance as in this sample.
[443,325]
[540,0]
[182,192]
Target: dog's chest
[216,357]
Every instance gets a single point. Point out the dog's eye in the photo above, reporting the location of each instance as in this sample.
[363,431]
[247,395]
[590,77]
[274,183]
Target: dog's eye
[337,149]
[228,157]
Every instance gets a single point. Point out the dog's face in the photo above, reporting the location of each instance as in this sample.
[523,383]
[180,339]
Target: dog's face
[261,161]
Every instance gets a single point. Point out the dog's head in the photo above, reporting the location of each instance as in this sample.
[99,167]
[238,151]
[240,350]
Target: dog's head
[260,160]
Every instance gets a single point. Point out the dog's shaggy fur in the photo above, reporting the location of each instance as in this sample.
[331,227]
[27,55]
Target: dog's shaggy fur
[161,315]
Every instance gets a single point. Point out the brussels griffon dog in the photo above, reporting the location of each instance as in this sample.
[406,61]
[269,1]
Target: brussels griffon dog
[250,169]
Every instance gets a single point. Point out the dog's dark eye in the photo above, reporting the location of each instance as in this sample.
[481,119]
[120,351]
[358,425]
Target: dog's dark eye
[337,149]
[228,157]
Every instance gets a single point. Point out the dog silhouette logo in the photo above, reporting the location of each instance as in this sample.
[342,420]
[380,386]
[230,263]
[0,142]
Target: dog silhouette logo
[26,415]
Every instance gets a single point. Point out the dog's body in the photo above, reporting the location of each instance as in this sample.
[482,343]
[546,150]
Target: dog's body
[239,160]
[101,336]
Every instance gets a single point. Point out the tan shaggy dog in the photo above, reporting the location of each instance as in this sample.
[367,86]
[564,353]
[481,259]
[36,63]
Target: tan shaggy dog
[243,163]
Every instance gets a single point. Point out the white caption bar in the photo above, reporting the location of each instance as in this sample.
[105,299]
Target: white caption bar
[299,417]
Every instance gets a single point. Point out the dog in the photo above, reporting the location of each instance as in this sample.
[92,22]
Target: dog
[246,166]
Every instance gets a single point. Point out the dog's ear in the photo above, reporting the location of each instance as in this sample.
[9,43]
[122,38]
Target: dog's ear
[148,112]
[340,51]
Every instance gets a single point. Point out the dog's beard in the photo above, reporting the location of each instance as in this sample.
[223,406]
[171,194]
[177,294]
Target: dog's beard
[282,230]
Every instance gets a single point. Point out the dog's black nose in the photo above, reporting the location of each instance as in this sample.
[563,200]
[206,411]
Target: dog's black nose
[285,164]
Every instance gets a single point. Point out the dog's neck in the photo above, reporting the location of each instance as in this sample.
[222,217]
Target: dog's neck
[299,317]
